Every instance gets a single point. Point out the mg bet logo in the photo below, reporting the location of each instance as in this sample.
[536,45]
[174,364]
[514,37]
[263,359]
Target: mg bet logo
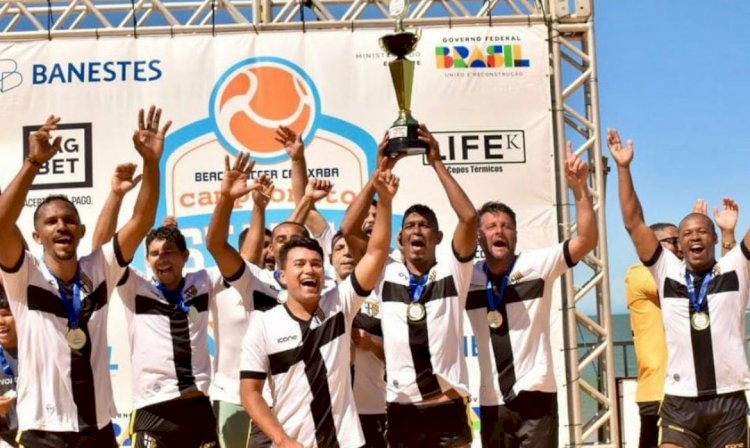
[71,168]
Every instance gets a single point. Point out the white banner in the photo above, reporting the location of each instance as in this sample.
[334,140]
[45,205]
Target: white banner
[483,91]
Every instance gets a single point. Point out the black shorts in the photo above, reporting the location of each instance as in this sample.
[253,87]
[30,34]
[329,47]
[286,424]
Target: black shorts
[530,420]
[373,427]
[98,438]
[181,422]
[713,421]
[442,425]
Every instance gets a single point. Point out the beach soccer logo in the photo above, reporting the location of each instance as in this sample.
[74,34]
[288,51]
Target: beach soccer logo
[254,98]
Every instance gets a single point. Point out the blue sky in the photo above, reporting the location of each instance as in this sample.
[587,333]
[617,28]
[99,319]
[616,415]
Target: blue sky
[673,76]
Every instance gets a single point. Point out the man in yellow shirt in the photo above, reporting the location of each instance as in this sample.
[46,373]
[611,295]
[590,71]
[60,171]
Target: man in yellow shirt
[648,337]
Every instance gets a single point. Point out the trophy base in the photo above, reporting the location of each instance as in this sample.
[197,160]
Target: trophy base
[404,139]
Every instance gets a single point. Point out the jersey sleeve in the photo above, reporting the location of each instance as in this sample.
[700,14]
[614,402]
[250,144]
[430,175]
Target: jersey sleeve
[114,263]
[16,278]
[659,264]
[126,285]
[553,261]
[461,269]
[254,283]
[324,239]
[216,283]
[254,360]
[352,296]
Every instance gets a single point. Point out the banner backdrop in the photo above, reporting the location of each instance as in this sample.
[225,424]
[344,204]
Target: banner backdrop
[483,91]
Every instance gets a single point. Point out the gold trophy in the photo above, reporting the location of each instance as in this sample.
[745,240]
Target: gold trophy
[402,136]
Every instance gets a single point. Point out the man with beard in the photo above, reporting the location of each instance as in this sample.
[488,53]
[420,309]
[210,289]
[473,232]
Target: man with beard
[509,306]
[423,301]
[703,304]
[303,346]
[60,301]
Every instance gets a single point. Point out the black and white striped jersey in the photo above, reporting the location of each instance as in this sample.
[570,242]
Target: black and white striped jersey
[517,356]
[712,360]
[61,388]
[307,365]
[168,346]
[425,358]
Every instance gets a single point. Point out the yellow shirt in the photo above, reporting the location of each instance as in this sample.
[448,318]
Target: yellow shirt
[648,333]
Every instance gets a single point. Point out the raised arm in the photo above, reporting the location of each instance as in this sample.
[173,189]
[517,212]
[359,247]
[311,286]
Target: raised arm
[315,190]
[233,186]
[149,142]
[252,248]
[726,219]
[41,150]
[123,180]
[371,265]
[577,172]
[632,214]
[465,235]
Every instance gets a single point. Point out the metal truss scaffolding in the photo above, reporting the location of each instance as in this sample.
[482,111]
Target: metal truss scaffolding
[590,369]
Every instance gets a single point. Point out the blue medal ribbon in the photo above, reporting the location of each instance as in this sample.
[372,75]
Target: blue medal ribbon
[174,296]
[495,301]
[6,366]
[277,277]
[700,299]
[72,304]
[417,285]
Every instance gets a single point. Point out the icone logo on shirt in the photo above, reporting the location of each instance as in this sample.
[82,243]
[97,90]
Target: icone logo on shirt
[287,338]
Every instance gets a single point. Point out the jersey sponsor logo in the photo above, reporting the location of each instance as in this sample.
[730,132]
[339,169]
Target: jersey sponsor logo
[72,167]
[287,338]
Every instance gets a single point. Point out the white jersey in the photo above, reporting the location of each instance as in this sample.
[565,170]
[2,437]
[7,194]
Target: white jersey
[424,359]
[517,356]
[230,312]
[368,382]
[710,361]
[307,365]
[59,388]
[168,347]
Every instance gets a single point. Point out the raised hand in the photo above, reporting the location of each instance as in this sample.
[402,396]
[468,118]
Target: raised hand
[622,155]
[149,139]
[169,221]
[726,218]
[317,189]
[390,162]
[576,170]
[234,185]
[701,207]
[433,152]
[292,142]
[262,189]
[124,179]
[41,150]
[386,184]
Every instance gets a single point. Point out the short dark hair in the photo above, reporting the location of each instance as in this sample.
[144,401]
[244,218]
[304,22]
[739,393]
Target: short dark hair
[423,211]
[52,198]
[660,226]
[699,215]
[496,207]
[304,229]
[336,236]
[167,233]
[4,305]
[243,236]
[298,241]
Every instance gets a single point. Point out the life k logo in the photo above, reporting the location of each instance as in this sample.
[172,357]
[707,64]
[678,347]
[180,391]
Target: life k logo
[10,77]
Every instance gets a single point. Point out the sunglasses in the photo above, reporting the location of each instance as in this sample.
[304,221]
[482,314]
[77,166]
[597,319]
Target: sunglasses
[671,240]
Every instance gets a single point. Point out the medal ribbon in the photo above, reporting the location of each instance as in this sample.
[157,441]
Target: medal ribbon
[174,296]
[700,299]
[4,362]
[495,301]
[417,285]
[72,304]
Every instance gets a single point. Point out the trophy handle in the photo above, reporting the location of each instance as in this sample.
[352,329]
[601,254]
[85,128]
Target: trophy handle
[417,35]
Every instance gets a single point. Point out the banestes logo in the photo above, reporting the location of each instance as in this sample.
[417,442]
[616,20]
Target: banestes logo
[250,102]
[492,56]
[72,167]
[10,77]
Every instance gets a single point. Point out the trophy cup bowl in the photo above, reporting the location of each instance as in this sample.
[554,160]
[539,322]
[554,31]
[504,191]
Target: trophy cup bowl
[403,137]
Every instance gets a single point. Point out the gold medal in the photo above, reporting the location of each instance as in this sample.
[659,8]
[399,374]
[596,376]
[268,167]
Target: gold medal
[76,338]
[700,321]
[494,319]
[415,312]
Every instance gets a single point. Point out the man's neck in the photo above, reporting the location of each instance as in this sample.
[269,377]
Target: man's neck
[302,311]
[65,270]
[10,345]
[499,266]
[421,267]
